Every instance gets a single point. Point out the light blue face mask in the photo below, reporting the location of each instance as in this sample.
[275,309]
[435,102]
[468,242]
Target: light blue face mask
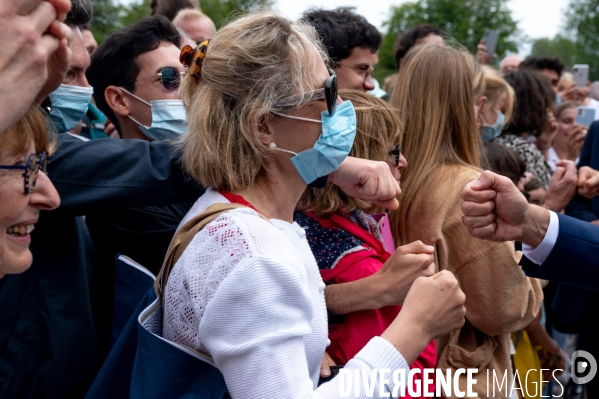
[331,148]
[491,132]
[69,105]
[169,119]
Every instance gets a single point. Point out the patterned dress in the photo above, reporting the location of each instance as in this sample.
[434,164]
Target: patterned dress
[535,161]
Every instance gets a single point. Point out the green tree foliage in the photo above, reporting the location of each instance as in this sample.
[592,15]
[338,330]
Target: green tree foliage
[582,26]
[464,20]
[110,15]
[220,11]
[563,47]
[106,18]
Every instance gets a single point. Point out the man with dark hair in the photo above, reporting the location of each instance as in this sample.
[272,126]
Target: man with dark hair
[550,67]
[352,44]
[418,35]
[133,67]
[69,102]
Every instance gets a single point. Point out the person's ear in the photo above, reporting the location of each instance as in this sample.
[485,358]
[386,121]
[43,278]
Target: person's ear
[117,100]
[480,103]
[265,128]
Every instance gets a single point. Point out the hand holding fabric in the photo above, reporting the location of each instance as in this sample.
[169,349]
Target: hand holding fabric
[399,272]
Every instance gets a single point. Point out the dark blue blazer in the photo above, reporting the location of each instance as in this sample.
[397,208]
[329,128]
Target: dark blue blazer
[580,207]
[574,259]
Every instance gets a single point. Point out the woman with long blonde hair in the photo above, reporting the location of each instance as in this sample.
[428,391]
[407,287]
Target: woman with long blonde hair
[437,95]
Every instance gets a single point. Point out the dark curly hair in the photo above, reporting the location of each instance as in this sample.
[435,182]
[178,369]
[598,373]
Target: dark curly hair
[342,30]
[406,41]
[540,63]
[534,96]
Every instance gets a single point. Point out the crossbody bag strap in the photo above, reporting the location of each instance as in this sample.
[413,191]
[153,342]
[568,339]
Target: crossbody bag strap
[183,237]
[185,234]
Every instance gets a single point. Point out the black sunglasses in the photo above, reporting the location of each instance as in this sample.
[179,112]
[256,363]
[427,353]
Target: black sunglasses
[329,93]
[34,164]
[396,153]
[169,77]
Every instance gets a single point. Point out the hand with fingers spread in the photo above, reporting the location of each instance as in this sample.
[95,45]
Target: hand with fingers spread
[397,275]
[32,35]
[495,210]
[371,181]
[562,186]
[434,307]
[588,182]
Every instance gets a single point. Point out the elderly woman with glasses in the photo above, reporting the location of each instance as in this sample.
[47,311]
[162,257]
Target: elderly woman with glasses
[264,122]
[25,189]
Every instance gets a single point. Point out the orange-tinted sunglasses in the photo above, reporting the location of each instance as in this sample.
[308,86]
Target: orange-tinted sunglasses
[194,58]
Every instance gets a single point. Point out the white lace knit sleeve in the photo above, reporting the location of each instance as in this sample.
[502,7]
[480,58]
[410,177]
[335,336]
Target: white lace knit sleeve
[256,327]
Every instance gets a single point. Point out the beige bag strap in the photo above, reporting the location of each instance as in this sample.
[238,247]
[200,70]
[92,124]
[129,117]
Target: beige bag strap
[181,240]
[184,236]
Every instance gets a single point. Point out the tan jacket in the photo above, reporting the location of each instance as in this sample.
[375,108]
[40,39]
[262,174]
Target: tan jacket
[500,298]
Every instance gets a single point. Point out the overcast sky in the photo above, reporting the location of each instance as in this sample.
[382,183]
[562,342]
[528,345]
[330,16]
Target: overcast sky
[537,19]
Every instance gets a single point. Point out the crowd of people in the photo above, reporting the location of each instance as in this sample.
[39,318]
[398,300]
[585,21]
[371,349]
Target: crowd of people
[294,215]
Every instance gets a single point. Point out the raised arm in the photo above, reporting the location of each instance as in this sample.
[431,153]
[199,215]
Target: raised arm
[33,43]
[109,174]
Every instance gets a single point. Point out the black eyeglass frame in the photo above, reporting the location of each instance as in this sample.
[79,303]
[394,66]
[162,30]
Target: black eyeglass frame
[165,80]
[329,92]
[34,163]
[396,153]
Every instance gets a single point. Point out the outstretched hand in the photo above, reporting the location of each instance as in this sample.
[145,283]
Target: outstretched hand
[495,210]
[371,181]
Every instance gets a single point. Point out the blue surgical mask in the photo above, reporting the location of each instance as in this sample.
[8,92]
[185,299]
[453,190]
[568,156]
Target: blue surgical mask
[558,100]
[331,148]
[169,119]
[69,105]
[491,132]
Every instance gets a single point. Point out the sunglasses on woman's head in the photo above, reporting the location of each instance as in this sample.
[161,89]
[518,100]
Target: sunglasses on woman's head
[34,164]
[169,77]
[329,93]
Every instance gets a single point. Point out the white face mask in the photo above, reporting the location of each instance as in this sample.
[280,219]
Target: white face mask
[169,119]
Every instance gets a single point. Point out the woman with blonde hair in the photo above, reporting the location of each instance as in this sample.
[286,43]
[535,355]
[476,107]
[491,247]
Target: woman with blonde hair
[264,121]
[497,104]
[348,243]
[439,90]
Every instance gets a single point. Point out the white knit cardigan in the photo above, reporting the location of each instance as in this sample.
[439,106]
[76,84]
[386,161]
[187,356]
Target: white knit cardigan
[249,293]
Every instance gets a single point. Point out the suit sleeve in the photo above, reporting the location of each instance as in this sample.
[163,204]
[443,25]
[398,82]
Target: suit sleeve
[109,174]
[581,207]
[574,259]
